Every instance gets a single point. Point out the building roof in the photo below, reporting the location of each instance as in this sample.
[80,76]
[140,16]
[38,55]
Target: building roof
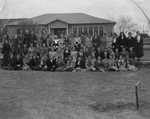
[8,21]
[70,18]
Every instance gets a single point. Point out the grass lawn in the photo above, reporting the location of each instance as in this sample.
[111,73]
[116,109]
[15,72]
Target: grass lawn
[60,95]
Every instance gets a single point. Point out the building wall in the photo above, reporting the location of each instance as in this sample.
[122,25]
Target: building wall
[56,24]
[106,28]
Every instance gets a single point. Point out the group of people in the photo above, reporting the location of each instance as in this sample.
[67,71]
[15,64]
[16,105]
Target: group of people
[74,53]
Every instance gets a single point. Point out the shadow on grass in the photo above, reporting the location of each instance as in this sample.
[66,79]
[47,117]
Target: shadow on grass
[119,106]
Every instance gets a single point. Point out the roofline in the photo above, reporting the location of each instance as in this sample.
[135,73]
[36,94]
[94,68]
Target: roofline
[64,22]
[56,20]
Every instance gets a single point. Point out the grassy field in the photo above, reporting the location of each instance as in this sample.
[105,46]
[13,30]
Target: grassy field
[59,95]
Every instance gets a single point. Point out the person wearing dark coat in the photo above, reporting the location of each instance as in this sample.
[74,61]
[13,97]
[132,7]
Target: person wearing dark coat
[138,46]
[66,54]
[27,39]
[96,41]
[121,41]
[98,53]
[34,63]
[51,64]
[80,63]
[17,63]
[130,41]
[18,50]
[114,42]
[6,50]
[33,38]
[20,38]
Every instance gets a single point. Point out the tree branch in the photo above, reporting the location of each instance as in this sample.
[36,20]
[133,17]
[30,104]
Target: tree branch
[141,10]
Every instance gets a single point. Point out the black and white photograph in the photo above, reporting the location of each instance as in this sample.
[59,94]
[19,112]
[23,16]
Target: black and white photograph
[74,59]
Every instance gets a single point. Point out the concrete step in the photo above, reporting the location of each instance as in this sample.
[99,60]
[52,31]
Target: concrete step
[146,47]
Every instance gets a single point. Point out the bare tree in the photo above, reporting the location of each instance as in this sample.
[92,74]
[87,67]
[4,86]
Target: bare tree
[27,24]
[141,9]
[125,24]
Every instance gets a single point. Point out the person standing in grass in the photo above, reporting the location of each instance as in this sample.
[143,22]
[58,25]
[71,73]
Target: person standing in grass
[109,40]
[138,46]
[121,41]
[89,41]
[130,41]
[77,42]
[96,40]
[6,50]
[114,41]
[103,42]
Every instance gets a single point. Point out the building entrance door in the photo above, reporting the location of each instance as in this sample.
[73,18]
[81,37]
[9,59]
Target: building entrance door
[58,31]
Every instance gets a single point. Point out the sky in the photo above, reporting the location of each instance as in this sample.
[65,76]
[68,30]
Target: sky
[107,9]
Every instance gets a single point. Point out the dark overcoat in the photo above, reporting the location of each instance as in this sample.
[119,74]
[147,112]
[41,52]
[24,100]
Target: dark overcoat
[138,47]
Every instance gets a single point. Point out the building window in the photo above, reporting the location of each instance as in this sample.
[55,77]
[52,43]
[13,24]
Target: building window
[80,30]
[96,30]
[101,30]
[91,30]
[74,30]
[85,30]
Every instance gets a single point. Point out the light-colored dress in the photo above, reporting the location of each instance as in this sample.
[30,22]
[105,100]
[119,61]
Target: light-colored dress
[89,42]
[39,40]
[74,55]
[109,41]
[31,52]
[103,43]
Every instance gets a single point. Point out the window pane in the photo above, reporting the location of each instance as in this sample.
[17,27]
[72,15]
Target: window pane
[80,30]
[100,30]
[74,30]
[91,30]
[96,30]
[85,30]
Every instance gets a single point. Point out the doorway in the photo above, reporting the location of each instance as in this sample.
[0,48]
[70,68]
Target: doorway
[58,31]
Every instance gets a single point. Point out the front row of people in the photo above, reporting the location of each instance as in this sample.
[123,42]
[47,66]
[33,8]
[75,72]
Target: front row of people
[52,63]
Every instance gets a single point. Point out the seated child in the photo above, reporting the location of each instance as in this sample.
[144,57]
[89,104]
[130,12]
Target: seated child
[60,64]
[34,63]
[79,65]
[25,66]
[89,65]
[121,64]
[117,54]
[131,56]
[66,54]
[124,53]
[99,64]
[131,67]
[43,65]
[17,63]
[105,60]
[111,52]
[112,64]
[51,63]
